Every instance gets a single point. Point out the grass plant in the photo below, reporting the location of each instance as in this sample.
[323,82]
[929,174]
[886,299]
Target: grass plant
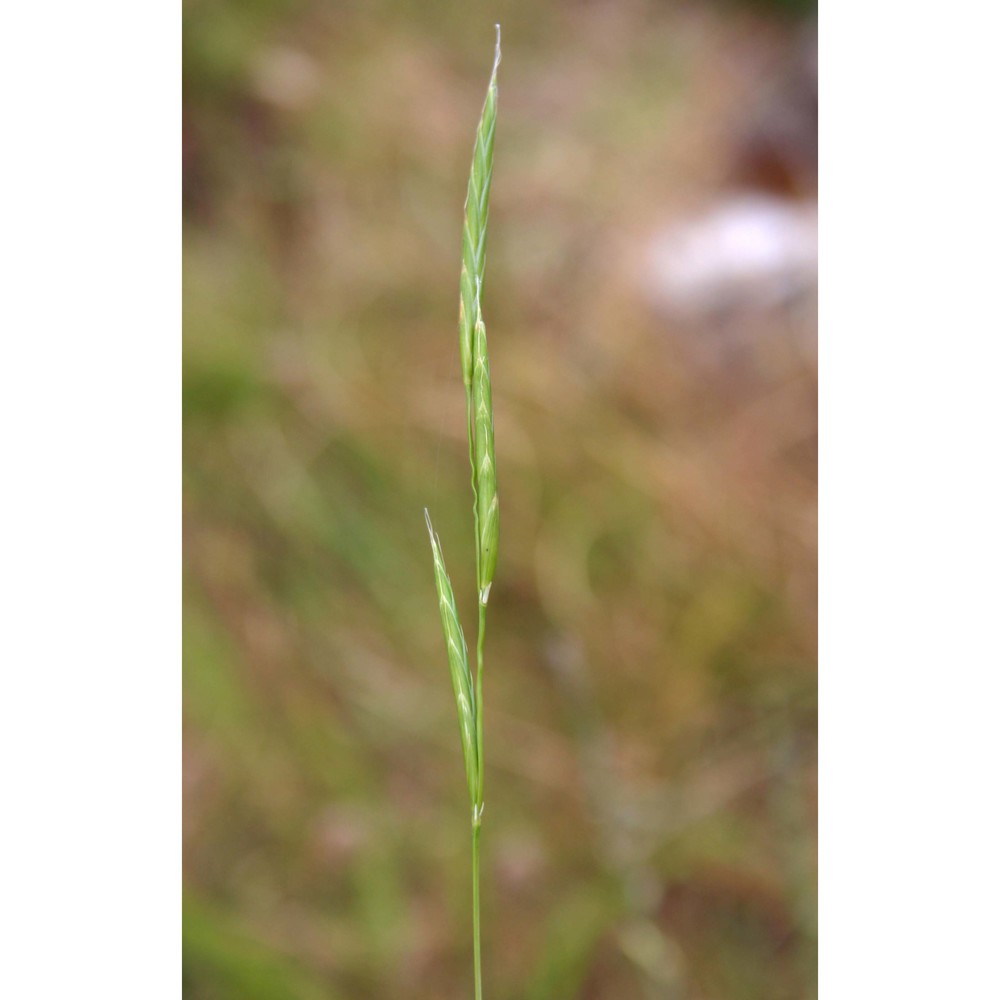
[664,565]
[485,506]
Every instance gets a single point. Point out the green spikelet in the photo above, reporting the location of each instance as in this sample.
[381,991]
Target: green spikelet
[477,209]
[458,662]
[487,501]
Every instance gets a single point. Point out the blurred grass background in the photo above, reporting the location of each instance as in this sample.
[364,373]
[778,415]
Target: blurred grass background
[651,702]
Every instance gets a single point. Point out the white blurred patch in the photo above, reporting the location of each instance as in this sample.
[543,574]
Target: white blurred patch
[749,254]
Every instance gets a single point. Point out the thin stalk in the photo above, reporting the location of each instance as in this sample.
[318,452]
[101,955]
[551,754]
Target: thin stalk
[479,699]
[477,814]
[477,958]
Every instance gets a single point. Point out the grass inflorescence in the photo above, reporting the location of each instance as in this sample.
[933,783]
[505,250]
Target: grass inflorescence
[486,505]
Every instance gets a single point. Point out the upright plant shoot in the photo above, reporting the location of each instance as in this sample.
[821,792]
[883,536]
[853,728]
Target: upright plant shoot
[485,506]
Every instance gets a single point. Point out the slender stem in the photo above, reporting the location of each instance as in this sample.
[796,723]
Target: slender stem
[479,696]
[477,813]
[477,959]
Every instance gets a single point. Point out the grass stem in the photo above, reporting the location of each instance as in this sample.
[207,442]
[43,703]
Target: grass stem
[480,640]
[476,953]
[477,815]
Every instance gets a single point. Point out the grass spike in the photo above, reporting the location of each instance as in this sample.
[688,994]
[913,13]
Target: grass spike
[485,508]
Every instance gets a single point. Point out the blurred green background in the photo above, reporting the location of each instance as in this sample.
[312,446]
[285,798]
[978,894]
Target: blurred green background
[650,828]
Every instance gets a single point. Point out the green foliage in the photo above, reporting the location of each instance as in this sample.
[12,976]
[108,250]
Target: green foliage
[571,934]
[228,963]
